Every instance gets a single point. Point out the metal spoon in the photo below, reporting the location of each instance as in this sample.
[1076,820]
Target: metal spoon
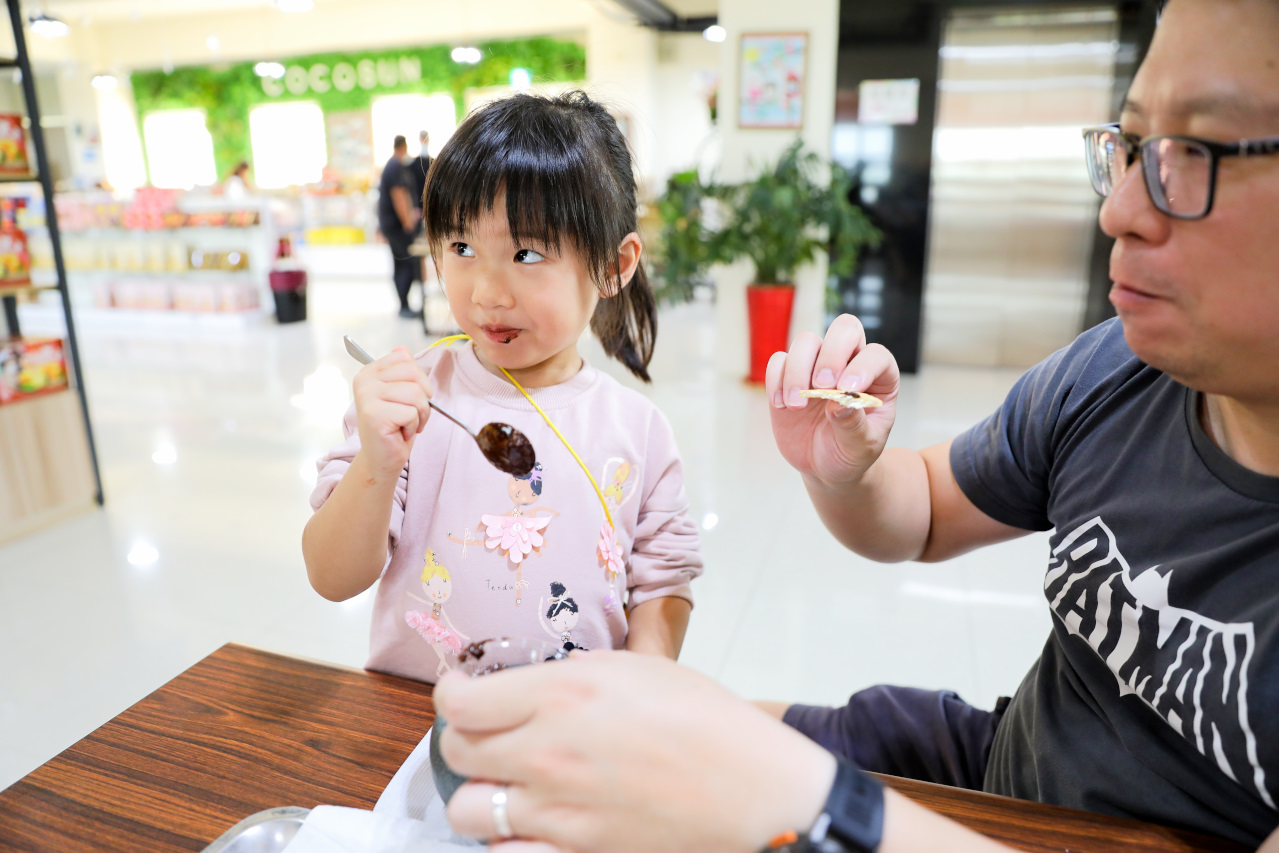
[502,444]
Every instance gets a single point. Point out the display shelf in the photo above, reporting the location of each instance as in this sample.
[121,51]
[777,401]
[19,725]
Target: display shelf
[46,473]
[15,289]
[47,320]
[28,396]
[48,460]
[92,274]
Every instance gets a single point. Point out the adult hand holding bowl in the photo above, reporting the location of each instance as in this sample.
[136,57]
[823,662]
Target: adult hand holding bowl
[482,658]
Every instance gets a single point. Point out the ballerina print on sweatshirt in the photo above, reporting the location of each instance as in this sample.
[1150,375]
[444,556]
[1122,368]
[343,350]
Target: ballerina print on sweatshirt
[519,533]
[436,627]
[619,490]
[560,618]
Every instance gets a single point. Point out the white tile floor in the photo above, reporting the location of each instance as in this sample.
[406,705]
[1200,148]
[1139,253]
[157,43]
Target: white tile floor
[207,442]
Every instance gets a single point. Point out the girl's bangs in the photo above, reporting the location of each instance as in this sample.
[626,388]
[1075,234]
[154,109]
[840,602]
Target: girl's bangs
[542,164]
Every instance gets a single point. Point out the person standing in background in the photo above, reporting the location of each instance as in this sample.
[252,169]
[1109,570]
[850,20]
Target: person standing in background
[397,220]
[416,169]
[237,183]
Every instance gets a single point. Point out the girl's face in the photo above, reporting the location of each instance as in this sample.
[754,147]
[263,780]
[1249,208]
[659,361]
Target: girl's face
[438,589]
[521,491]
[523,306]
[564,620]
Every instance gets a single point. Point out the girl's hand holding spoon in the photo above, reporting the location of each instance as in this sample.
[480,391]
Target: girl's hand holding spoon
[393,401]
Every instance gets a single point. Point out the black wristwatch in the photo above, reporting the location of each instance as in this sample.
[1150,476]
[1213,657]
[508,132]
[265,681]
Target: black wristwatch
[851,822]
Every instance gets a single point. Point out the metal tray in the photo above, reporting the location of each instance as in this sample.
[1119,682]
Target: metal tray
[268,831]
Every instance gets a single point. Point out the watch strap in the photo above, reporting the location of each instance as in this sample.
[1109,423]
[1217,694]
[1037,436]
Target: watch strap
[852,820]
[854,813]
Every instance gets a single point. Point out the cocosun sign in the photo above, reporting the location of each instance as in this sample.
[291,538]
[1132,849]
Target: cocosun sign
[345,76]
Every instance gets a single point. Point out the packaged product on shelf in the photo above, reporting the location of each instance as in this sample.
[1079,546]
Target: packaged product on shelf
[102,294]
[156,257]
[142,294]
[15,260]
[242,218]
[199,259]
[235,261]
[288,284]
[30,366]
[13,146]
[176,257]
[10,368]
[195,295]
[43,366]
[237,295]
[42,255]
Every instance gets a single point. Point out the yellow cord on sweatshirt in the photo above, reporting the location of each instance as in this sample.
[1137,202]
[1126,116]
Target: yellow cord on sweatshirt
[598,493]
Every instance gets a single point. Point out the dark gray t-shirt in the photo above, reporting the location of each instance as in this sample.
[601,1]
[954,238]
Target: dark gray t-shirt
[1157,694]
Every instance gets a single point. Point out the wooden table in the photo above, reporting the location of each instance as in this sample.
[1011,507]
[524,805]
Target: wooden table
[245,730]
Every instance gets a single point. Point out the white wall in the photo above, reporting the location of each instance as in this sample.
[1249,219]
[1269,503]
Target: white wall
[621,70]
[654,80]
[687,66]
[744,149]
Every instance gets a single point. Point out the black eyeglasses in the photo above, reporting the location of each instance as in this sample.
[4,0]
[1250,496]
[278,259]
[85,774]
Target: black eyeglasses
[1180,171]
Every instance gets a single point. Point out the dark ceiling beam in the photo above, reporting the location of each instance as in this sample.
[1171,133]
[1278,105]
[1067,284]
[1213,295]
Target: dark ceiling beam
[659,16]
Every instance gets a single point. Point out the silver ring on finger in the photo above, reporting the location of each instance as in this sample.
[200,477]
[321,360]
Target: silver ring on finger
[501,821]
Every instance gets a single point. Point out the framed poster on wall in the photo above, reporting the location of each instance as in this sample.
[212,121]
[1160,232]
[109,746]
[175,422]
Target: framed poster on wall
[770,80]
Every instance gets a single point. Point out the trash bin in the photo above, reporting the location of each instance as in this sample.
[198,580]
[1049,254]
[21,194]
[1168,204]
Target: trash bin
[289,289]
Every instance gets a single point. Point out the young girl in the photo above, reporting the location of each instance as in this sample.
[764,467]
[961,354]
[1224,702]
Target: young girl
[530,212]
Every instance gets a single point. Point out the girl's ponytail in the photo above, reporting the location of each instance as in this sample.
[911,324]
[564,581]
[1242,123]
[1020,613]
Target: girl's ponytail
[626,323]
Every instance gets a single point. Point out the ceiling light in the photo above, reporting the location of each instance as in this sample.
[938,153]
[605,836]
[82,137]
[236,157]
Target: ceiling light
[467,55]
[715,33]
[50,28]
[294,5]
[104,81]
[273,70]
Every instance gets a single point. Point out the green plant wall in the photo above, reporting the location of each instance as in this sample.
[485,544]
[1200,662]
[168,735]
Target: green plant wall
[226,93]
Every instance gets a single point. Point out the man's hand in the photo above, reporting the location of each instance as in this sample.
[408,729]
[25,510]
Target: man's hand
[824,441]
[614,751]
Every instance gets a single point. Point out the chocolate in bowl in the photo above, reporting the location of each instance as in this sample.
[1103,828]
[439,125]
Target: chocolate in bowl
[485,657]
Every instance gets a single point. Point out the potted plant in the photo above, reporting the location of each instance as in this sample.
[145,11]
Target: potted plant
[780,220]
[686,246]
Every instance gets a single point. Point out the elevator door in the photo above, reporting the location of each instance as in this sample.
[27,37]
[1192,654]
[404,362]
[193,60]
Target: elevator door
[1012,210]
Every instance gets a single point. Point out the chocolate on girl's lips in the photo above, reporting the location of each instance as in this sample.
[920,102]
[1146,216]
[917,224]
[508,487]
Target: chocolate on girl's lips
[501,334]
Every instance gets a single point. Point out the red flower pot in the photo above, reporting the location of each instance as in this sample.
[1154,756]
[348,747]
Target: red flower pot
[769,307]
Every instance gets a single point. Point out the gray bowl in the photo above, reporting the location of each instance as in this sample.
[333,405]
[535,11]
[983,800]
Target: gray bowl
[446,781]
[268,831]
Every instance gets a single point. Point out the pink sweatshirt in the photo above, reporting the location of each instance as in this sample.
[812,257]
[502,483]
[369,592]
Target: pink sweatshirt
[475,553]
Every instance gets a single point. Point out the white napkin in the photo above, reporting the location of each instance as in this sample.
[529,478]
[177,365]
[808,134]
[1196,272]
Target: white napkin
[409,816]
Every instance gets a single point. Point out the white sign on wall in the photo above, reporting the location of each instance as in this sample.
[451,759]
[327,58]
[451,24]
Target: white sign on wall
[345,76]
[888,101]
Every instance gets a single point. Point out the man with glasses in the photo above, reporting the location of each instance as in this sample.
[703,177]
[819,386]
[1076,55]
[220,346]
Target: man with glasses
[1150,446]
